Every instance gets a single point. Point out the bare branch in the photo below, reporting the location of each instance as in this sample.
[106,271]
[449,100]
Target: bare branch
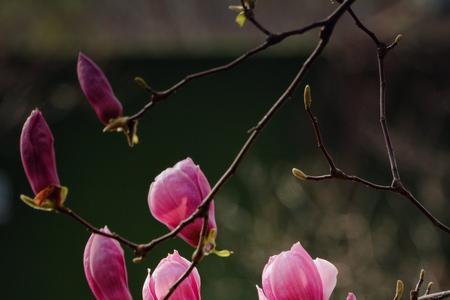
[67,211]
[396,186]
[414,294]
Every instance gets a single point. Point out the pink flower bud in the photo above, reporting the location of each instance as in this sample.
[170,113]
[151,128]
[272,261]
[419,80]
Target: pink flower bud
[168,271]
[98,90]
[175,195]
[293,275]
[351,296]
[104,267]
[38,154]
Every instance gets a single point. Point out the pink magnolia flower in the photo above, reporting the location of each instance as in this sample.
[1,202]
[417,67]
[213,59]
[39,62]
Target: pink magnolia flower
[176,193]
[104,267]
[39,162]
[168,271]
[294,275]
[98,90]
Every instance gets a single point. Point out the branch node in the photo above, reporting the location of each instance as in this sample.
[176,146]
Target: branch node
[274,38]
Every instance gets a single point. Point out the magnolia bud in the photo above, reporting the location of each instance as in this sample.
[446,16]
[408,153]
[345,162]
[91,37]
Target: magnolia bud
[307,99]
[39,162]
[299,174]
[98,90]
[104,267]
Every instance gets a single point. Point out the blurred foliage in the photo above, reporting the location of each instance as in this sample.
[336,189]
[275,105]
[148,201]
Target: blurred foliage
[374,238]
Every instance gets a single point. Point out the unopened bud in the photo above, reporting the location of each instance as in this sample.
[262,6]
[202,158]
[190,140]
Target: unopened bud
[98,90]
[399,290]
[429,286]
[398,38]
[105,268]
[39,162]
[143,84]
[299,174]
[307,97]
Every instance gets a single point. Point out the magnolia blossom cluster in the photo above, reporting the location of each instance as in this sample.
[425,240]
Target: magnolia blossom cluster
[173,196]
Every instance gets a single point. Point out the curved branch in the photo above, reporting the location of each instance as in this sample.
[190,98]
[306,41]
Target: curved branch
[69,212]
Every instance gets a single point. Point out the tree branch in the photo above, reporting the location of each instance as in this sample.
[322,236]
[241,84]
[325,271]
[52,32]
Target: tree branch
[69,212]
[396,186]
[272,39]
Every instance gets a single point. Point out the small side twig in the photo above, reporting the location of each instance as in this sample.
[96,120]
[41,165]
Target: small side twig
[429,287]
[249,15]
[414,294]
[69,212]
[336,173]
[272,39]
[436,296]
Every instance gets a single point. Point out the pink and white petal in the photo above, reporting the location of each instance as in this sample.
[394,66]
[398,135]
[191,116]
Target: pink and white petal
[146,289]
[328,273]
[261,295]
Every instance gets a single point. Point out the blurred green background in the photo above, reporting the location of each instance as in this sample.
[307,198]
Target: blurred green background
[373,238]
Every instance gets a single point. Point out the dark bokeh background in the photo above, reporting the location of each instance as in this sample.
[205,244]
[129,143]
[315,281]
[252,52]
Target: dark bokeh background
[372,237]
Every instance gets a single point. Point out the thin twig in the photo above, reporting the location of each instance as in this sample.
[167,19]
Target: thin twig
[249,15]
[414,294]
[396,186]
[436,296]
[382,51]
[336,173]
[271,40]
[343,176]
[93,229]
[319,139]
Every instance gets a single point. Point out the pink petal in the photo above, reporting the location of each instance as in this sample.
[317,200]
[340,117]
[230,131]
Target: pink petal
[167,273]
[176,193]
[292,275]
[147,293]
[328,273]
[261,295]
